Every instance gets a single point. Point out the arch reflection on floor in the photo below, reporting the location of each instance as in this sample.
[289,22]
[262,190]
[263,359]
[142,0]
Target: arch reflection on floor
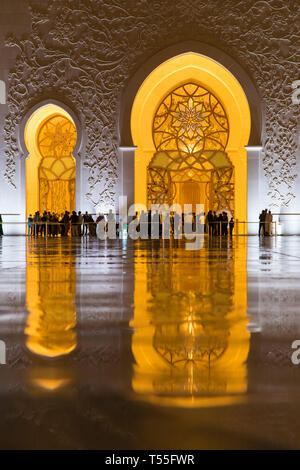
[191,339]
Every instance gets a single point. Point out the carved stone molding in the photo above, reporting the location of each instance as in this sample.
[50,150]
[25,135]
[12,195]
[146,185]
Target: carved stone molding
[86,50]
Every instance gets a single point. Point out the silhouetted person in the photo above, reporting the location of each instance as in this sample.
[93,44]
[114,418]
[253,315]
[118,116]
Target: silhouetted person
[85,221]
[177,225]
[74,224]
[224,223]
[218,224]
[36,221]
[43,224]
[66,224]
[30,225]
[217,219]
[268,223]
[92,226]
[1,229]
[80,221]
[210,221]
[149,223]
[262,223]
[231,226]
[156,225]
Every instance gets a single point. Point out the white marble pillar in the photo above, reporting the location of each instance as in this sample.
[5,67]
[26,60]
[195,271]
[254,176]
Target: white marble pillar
[127,156]
[253,189]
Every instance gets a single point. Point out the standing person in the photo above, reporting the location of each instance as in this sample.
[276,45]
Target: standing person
[92,226]
[205,223]
[262,223]
[268,223]
[1,229]
[216,225]
[36,221]
[149,223]
[55,226]
[210,223]
[43,226]
[74,224]
[66,224]
[30,225]
[177,225]
[231,226]
[80,221]
[224,224]
[86,219]
[62,226]
[219,225]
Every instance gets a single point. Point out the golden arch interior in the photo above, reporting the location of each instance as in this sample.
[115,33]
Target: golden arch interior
[190,122]
[50,137]
[190,165]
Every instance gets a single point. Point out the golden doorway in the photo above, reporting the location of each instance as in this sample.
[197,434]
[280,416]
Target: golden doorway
[197,69]
[190,165]
[50,137]
[57,170]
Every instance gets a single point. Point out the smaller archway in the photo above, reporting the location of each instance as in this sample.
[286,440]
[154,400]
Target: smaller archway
[50,137]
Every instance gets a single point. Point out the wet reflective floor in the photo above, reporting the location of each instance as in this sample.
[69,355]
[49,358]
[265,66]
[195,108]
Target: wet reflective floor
[146,345]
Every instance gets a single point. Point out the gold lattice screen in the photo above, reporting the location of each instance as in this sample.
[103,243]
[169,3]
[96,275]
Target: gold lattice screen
[57,171]
[190,133]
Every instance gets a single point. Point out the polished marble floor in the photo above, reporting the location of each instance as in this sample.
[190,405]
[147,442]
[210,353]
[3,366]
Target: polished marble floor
[147,345]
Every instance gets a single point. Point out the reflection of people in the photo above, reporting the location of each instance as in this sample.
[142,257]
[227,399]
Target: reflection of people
[1,229]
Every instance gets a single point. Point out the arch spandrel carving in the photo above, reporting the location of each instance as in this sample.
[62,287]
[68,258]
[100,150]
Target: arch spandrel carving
[261,38]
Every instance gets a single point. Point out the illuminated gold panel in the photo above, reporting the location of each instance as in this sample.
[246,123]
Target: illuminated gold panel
[190,133]
[50,137]
[57,172]
[213,77]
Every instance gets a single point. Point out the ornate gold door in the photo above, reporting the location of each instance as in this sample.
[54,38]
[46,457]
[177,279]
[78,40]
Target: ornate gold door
[190,133]
[57,170]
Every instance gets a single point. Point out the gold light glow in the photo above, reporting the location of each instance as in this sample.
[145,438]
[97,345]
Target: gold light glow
[50,137]
[50,300]
[190,340]
[208,73]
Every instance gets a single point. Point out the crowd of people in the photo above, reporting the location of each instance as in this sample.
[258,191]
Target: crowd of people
[218,224]
[78,224]
[52,225]
[214,224]
[265,223]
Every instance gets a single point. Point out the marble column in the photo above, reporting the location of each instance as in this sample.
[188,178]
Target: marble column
[127,156]
[253,190]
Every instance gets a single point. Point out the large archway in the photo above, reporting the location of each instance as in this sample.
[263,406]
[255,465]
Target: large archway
[224,93]
[50,137]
